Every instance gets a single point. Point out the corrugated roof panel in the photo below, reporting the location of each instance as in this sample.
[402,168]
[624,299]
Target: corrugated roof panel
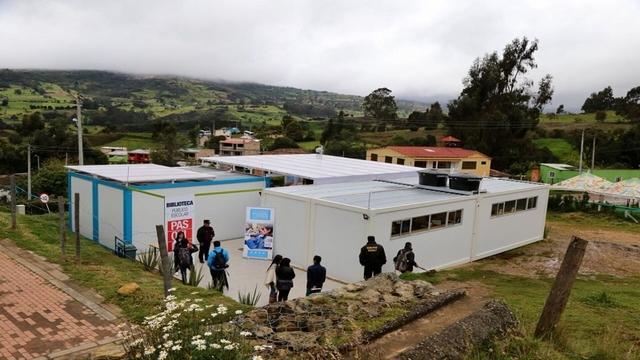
[141,173]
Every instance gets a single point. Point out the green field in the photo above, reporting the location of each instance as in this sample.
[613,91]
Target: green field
[561,148]
[134,141]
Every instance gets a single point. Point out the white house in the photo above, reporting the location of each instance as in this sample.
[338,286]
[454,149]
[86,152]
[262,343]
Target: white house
[127,201]
[446,227]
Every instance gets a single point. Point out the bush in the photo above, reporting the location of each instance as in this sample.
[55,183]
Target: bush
[601,116]
[51,178]
[249,298]
[187,329]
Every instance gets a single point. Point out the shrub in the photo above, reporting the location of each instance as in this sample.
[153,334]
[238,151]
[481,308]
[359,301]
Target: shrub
[195,276]
[149,259]
[601,116]
[187,329]
[250,298]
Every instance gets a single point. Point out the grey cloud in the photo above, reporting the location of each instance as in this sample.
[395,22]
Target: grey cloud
[419,49]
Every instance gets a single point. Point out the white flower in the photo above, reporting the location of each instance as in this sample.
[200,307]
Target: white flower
[229,347]
[208,333]
[163,355]
[136,342]
[261,347]
[172,290]
[149,350]
[225,341]
[215,346]
[238,312]
[201,347]
[214,315]
[176,347]
[245,333]
[256,357]
[165,336]
[195,293]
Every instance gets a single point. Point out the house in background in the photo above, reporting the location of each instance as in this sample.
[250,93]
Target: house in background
[555,173]
[239,147]
[451,158]
[139,156]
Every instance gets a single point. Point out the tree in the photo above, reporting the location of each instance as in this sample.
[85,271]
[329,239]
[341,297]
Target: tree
[31,123]
[5,102]
[283,143]
[600,101]
[434,116]
[294,130]
[497,106]
[214,142]
[51,178]
[169,144]
[560,109]
[629,106]
[601,115]
[381,106]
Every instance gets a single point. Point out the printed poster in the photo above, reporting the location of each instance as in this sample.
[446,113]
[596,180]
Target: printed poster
[258,233]
[179,215]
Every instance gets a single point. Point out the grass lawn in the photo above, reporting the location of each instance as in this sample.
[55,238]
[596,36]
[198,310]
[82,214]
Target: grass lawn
[561,148]
[100,269]
[580,118]
[309,145]
[134,141]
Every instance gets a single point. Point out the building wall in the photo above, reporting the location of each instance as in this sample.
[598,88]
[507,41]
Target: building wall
[505,232]
[291,227]
[111,217]
[147,212]
[431,162]
[85,188]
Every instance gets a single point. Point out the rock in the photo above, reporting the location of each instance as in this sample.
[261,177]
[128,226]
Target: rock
[355,287]
[297,340]
[262,331]
[370,296]
[128,288]
[403,290]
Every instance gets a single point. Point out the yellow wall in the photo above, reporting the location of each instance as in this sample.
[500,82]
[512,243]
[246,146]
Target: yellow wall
[480,170]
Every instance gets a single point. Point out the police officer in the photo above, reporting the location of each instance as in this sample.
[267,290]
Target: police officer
[372,257]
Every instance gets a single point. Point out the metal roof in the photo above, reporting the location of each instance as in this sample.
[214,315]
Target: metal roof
[386,195]
[559,166]
[322,169]
[141,173]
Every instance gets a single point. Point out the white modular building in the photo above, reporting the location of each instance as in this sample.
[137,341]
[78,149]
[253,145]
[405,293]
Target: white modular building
[312,168]
[128,201]
[446,227]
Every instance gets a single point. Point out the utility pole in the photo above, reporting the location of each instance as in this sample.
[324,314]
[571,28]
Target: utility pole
[79,118]
[593,154]
[38,161]
[28,172]
[581,151]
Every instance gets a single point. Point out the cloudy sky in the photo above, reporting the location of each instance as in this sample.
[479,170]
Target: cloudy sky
[419,49]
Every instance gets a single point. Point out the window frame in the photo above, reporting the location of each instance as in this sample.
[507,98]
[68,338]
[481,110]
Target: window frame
[474,163]
[411,231]
[374,157]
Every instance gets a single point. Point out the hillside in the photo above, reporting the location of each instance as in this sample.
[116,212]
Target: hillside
[30,90]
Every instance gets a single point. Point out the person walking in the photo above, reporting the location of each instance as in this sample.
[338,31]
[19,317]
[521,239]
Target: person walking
[372,257]
[316,275]
[205,235]
[284,275]
[182,259]
[271,278]
[405,260]
[218,263]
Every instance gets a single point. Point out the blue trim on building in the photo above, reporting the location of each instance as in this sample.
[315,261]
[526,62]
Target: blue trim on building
[69,202]
[95,202]
[198,183]
[127,220]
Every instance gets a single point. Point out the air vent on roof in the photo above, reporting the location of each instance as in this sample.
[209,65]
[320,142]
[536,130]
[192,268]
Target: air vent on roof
[432,178]
[464,182]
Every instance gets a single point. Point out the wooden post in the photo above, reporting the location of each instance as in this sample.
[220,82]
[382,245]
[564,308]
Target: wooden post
[61,227]
[14,210]
[164,259]
[76,219]
[561,289]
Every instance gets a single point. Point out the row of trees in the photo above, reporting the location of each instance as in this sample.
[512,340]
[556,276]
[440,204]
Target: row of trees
[627,106]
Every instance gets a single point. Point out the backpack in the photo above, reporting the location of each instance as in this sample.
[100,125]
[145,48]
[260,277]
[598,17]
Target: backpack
[184,256]
[219,261]
[402,262]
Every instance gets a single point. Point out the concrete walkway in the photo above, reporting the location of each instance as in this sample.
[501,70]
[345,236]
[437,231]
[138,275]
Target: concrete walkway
[41,317]
[245,275]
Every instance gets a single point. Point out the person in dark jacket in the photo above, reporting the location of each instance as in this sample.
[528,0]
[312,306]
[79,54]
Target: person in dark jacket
[285,275]
[271,279]
[316,275]
[405,260]
[182,259]
[372,257]
[205,235]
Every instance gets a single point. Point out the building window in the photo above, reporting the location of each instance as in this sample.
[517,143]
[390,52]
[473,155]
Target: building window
[469,165]
[400,161]
[374,157]
[426,222]
[483,163]
[552,174]
[388,159]
[438,220]
[420,164]
[420,223]
[513,206]
[444,165]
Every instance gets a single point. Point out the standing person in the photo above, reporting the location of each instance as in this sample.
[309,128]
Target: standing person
[205,236]
[372,257]
[182,259]
[316,275]
[218,263]
[405,260]
[285,275]
[271,278]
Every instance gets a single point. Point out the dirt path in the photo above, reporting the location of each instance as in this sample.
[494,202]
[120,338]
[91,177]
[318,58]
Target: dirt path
[394,343]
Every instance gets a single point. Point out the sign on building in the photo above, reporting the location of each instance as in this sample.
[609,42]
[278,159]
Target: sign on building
[179,214]
[258,234]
